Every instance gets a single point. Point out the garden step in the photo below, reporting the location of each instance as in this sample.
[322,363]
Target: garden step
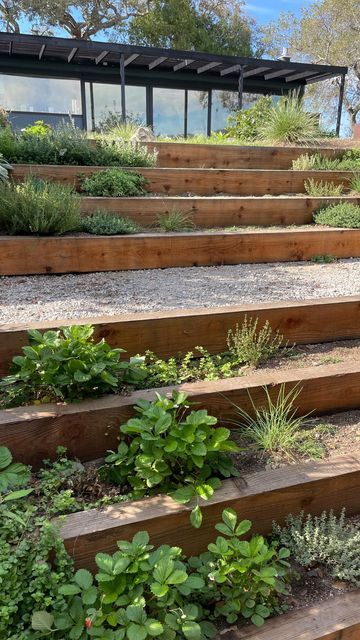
[88,428]
[170,332]
[335,619]
[179,181]
[261,497]
[208,212]
[174,154]
[23,255]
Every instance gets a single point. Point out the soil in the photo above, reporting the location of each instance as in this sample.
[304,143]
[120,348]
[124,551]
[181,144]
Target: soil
[312,355]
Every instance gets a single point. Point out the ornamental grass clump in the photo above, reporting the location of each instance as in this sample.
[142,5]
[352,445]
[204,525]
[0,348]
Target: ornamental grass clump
[319,189]
[102,223]
[343,215]
[167,449]
[115,183]
[38,207]
[289,123]
[175,220]
[66,365]
[326,540]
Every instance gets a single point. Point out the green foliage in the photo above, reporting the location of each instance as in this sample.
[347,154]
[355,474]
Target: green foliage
[246,124]
[39,128]
[244,578]
[66,365]
[102,223]
[38,207]
[251,345]
[344,214]
[325,258]
[327,540]
[349,161]
[114,183]
[274,427]
[69,145]
[167,450]
[355,183]
[289,123]
[12,474]
[318,189]
[175,220]
[4,169]
[4,118]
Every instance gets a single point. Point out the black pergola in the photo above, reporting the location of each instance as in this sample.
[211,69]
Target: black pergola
[91,61]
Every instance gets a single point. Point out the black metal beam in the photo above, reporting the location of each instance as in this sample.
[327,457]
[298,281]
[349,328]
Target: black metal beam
[92,107]
[157,62]
[131,59]
[209,114]
[207,67]
[186,106]
[83,104]
[122,81]
[42,51]
[240,88]
[101,57]
[340,105]
[72,53]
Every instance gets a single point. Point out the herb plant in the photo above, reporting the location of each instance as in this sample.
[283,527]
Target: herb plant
[104,224]
[251,345]
[114,182]
[168,450]
[318,189]
[38,207]
[243,578]
[343,215]
[66,365]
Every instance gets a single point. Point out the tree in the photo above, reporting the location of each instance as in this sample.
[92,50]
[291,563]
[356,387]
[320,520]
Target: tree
[327,32]
[203,25]
[81,19]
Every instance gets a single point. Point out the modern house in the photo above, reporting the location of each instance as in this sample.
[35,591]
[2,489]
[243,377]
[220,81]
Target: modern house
[175,92]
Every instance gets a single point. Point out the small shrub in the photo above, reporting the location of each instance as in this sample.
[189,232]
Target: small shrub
[243,577]
[66,365]
[39,128]
[252,346]
[344,214]
[246,124]
[273,428]
[4,169]
[175,220]
[305,162]
[318,189]
[114,183]
[327,540]
[38,207]
[325,258]
[289,123]
[4,118]
[164,450]
[102,223]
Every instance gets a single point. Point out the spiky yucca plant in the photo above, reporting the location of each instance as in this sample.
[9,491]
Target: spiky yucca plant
[289,123]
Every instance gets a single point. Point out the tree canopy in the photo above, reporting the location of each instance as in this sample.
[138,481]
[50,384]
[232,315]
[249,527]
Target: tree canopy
[326,32]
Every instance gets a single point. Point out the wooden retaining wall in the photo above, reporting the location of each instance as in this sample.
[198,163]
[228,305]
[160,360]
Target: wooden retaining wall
[335,619]
[205,182]
[24,255]
[208,212]
[261,497]
[168,332]
[226,156]
[88,428]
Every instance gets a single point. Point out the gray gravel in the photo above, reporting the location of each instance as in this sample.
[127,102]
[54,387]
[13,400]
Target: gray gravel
[32,298]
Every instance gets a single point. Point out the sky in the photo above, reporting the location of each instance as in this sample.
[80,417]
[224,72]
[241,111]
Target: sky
[267,10]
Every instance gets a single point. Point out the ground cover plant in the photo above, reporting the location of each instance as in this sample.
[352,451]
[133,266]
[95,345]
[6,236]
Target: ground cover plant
[165,448]
[114,183]
[344,214]
[318,189]
[68,145]
[349,161]
[66,365]
[38,207]
[324,540]
[106,224]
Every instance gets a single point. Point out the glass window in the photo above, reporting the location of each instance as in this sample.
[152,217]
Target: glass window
[169,112]
[41,95]
[197,112]
[224,104]
[107,104]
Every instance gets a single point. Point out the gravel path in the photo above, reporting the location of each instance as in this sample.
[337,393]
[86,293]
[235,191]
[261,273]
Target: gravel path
[32,298]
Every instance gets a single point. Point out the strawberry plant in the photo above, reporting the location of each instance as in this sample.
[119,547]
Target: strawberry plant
[169,450]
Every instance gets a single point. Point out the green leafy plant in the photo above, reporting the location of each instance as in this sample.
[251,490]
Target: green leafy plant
[246,124]
[355,183]
[66,365]
[166,450]
[4,169]
[344,214]
[252,345]
[327,540]
[38,128]
[288,122]
[12,474]
[318,189]
[114,183]
[244,578]
[38,207]
[137,594]
[104,224]
[325,258]
[67,144]
[273,428]
[175,220]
